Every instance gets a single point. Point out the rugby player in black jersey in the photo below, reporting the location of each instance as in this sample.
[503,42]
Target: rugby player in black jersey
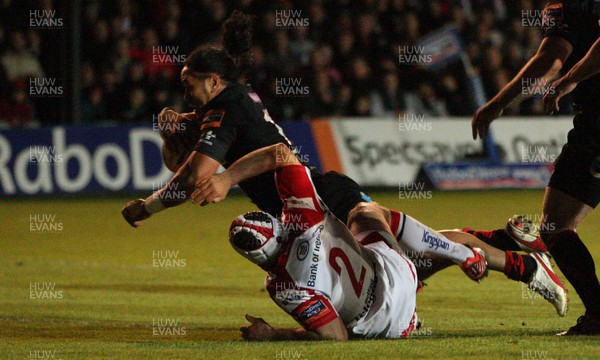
[228,123]
[231,122]
[570,29]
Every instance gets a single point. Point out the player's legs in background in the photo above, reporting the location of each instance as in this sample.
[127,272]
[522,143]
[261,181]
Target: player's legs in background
[520,233]
[562,215]
[531,269]
[515,266]
[497,238]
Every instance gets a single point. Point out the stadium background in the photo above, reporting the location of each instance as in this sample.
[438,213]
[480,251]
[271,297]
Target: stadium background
[345,51]
[82,83]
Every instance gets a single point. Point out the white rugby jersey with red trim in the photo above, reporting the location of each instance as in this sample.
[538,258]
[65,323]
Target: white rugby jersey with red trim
[321,276]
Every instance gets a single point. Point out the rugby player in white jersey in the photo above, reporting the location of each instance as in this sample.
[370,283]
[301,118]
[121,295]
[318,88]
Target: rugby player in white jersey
[333,286]
[338,282]
[418,241]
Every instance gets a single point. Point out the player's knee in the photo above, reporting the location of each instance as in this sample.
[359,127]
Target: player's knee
[361,212]
[366,216]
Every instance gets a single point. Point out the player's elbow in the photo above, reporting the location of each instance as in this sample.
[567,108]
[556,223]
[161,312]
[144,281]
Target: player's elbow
[279,148]
[282,155]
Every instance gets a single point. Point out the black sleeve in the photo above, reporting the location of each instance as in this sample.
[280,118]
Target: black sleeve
[219,129]
[558,21]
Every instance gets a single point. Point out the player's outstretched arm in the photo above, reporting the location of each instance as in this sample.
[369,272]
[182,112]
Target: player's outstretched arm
[260,330]
[588,66]
[546,64]
[215,188]
[177,191]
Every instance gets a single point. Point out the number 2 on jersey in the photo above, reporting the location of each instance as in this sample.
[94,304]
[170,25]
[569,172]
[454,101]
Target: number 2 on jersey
[335,253]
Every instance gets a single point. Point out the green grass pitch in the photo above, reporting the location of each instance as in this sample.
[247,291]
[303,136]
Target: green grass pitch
[78,283]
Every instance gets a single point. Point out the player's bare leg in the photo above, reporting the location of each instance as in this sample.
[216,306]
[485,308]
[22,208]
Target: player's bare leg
[417,239]
[562,215]
[428,265]
[496,258]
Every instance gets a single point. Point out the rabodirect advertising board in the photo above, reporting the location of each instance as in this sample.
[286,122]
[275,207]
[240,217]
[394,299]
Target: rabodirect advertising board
[96,159]
[80,159]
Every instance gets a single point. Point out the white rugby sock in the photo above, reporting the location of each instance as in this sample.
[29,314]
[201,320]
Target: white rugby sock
[420,239]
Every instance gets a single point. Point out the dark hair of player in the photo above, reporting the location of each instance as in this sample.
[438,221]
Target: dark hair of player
[233,59]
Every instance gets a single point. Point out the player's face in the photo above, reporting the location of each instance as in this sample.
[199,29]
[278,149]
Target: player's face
[197,89]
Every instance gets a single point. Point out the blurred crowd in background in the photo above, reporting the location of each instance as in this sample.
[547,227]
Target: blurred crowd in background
[344,52]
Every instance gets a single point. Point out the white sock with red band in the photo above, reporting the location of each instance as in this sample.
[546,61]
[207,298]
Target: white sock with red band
[419,239]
